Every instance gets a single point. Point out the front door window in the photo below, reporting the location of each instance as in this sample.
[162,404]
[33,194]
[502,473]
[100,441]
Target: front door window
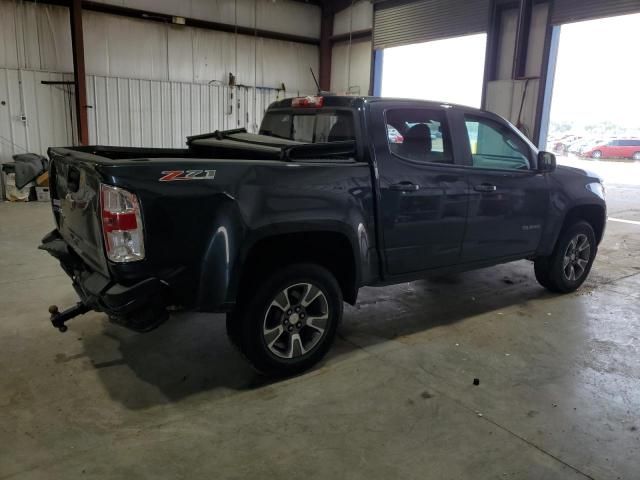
[494,146]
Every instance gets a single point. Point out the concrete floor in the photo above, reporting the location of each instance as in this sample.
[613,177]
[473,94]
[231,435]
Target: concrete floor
[558,398]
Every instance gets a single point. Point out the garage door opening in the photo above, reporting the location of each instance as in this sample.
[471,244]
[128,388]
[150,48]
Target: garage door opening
[595,105]
[449,70]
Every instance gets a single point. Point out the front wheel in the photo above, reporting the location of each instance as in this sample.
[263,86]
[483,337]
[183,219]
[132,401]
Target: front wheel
[636,156]
[597,154]
[570,263]
[290,322]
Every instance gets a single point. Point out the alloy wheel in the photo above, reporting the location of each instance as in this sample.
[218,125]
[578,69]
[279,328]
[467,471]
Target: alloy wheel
[576,257]
[296,320]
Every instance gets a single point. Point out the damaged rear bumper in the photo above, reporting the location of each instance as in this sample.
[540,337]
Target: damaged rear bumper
[101,293]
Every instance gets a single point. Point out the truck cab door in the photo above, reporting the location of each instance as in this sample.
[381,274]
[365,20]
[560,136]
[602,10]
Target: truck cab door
[508,197]
[423,193]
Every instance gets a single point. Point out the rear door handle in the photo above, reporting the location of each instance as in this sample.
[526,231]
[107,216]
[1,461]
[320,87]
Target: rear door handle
[405,187]
[485,187]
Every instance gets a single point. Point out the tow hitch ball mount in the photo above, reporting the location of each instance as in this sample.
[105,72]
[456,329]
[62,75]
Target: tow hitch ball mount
[59,318]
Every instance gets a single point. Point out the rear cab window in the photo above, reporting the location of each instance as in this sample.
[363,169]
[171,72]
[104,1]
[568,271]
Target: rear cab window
[309,126]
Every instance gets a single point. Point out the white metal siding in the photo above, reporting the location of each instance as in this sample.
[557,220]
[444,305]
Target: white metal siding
[149,84]
[34,116]
[151,113]
[351,67]
[359,16]
[123,111]
[37,37]
[284,16]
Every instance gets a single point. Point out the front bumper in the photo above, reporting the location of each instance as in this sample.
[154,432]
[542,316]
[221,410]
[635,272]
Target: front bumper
[101,293]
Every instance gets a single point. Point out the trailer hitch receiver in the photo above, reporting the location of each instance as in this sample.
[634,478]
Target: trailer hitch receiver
[59,318]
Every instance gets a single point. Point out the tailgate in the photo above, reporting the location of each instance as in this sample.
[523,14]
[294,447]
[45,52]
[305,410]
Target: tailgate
[75,195]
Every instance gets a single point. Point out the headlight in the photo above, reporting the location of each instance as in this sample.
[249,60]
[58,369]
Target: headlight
[597,188]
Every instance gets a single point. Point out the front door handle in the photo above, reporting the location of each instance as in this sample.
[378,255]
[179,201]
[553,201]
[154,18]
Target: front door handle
[405,187]
[485,187]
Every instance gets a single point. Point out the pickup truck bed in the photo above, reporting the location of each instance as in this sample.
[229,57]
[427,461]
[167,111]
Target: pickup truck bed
[198,229]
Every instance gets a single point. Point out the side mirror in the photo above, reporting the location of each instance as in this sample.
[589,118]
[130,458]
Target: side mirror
[546,162]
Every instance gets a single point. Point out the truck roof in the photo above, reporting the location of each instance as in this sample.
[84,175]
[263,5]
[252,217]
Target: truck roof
[349,101]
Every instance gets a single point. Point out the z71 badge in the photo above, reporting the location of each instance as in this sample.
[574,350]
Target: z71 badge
[175,175]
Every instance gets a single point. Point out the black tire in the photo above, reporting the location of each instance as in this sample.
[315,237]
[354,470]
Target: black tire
[249,326]
[233,332]
[569,255]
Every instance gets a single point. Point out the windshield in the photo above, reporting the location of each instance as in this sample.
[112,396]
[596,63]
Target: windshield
[309,127]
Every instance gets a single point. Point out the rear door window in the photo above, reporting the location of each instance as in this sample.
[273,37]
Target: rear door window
[418,134]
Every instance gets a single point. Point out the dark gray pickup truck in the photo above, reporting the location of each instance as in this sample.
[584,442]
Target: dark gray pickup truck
[277,229]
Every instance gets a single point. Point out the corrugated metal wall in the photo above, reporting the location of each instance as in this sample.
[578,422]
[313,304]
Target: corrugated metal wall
[37,37]
[276,15]
[34,116]
[351,65]
[124,47]
[357,16]
[149,84]
[150,113]
[123,111]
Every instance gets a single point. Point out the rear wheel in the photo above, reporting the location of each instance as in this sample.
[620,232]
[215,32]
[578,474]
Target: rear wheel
[290,322]
[636,156]
[570,263]
[233,331]
[596,154]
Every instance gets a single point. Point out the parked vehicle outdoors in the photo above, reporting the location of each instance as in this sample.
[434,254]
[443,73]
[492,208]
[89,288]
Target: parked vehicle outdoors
[615,148]
[277,229]
[394,135]
[580,146]
[561,145]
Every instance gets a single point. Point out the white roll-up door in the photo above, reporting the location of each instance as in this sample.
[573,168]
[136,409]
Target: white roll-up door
[565,11]
[398,22]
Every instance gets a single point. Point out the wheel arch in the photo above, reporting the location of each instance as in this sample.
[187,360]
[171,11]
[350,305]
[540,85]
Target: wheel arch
[331,248]
[593,214]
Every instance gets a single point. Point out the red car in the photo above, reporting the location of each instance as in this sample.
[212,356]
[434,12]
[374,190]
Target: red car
[625,148]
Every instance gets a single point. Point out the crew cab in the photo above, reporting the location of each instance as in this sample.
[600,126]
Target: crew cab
[277,229]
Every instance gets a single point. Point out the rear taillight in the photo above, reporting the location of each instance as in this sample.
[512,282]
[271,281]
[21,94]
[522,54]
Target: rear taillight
[308,102]
[121,224]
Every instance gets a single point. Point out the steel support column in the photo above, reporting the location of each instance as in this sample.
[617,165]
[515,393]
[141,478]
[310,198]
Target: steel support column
[79,76]
[326,46]
[522,39]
